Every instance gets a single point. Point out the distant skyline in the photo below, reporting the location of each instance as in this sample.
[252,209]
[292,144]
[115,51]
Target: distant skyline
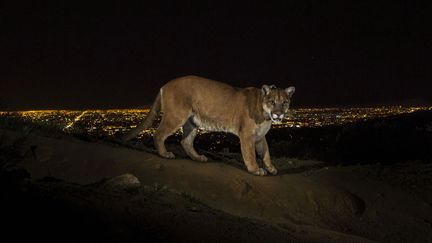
[338,54]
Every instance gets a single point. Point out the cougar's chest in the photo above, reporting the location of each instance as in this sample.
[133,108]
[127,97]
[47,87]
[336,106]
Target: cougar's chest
[262,129]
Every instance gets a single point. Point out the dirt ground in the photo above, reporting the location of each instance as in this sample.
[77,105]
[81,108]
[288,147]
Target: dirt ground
[225,203]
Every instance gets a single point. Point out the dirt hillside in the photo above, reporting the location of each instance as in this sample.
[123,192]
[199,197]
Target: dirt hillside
[332,203]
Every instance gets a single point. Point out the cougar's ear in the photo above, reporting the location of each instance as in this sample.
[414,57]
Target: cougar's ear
[266,88]
[290,91]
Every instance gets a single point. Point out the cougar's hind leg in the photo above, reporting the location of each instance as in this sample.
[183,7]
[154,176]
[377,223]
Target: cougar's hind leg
[190,130]
[170,123]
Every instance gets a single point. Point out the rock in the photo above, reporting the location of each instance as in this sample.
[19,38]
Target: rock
[126,182]
[336,206]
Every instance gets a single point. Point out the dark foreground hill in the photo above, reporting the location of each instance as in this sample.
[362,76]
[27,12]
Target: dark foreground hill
[98,191]
[389,140]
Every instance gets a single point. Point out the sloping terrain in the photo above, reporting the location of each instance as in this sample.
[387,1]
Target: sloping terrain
[329,203]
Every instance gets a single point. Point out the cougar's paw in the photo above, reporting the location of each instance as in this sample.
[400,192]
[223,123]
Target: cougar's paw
[272,170]
[200,158]
[260,172]
[168,155]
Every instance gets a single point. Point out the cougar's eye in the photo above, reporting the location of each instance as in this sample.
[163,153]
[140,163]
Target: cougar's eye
[272,102]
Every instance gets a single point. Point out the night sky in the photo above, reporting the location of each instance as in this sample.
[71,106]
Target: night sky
[362,53]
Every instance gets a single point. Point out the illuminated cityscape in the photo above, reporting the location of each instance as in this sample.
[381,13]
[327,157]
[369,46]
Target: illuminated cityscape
[110,122]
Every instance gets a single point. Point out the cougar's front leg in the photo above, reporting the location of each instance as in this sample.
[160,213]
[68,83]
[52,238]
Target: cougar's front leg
[247,143]
[263,152]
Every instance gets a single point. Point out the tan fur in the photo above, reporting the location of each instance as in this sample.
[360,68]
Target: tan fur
[191,102]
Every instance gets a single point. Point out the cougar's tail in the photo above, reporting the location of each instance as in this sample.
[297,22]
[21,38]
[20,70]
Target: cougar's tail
[154,111]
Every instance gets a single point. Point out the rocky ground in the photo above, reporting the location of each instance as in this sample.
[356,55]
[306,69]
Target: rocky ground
[70,189]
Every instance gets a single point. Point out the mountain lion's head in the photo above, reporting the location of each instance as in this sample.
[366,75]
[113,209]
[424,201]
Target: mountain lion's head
[276,101]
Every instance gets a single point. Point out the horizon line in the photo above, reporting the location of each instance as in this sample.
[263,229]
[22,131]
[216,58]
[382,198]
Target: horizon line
[148,108]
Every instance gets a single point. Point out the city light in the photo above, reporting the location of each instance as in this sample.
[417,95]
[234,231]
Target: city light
[111,122]
[75,120]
